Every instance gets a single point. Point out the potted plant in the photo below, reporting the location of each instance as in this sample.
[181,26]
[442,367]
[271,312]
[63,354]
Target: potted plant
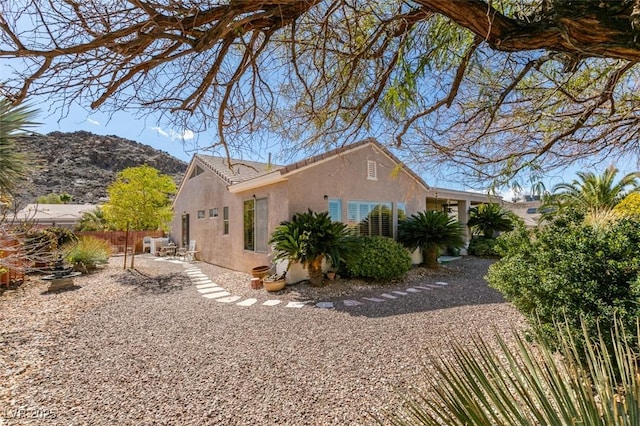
[309,238]
[260,271]
[274,282]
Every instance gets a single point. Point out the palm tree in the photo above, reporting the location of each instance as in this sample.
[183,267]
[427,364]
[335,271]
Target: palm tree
[311,237]
[591,193]
[488,219]
[13,121]
[430,231]
[93,220]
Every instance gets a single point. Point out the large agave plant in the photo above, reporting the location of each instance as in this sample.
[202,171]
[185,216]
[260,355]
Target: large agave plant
[527,383]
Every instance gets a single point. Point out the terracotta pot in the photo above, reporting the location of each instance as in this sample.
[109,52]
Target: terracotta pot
[256,283]
[260,271]
[276,285]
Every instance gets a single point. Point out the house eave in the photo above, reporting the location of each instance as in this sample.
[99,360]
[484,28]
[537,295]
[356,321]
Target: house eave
[453,194]
[259,182]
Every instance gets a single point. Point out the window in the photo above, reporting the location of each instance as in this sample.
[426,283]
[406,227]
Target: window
[402,211]
[200,214]
[255,225]
[370,218]
[225,220]
[372,173]
[213,212]
[249,224]
[335,209]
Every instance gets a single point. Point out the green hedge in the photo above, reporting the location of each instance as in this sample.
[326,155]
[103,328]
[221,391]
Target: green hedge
[568,271]
[484,247]
[380,258]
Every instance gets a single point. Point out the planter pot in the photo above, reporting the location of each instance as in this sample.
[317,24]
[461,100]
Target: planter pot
[260,271]
[276,285]
[256,283]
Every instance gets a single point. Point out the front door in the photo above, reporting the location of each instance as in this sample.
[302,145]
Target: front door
[185,230]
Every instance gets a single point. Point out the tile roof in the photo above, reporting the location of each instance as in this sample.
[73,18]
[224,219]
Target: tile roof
[240,170]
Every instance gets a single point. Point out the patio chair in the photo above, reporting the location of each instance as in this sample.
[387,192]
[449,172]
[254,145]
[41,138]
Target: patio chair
[191,252]
[182,253]
[146,244]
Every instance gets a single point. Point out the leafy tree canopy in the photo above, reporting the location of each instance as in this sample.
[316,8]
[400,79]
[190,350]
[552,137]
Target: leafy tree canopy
[493,87]
[591,192]
[54,198]
[139,199]
[629,206]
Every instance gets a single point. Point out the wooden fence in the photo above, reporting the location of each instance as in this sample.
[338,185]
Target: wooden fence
[118,238]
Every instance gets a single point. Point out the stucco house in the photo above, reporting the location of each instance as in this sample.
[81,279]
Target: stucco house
[231,208]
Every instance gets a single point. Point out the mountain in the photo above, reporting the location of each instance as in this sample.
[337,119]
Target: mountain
[84,164]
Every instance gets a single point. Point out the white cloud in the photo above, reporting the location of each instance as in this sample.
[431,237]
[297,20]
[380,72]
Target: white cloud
[187,134]
[173,135]
[160,131]
[94,122]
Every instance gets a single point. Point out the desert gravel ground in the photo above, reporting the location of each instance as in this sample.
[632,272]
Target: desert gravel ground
[143,348]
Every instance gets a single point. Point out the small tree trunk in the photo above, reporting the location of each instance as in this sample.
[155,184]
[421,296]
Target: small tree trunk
[315,271]
[126,246]
[431,257]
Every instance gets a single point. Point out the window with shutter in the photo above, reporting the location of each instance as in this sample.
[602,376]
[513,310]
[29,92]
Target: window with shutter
[370,218]
[225,220]
[249,217]
[335,209]
[255,225]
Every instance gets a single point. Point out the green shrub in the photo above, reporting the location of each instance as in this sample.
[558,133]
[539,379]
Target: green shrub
[570,270]
[87,253]
[380,258]
[485,247]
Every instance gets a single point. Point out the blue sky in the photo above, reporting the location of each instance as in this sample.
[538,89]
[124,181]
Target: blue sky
[177,142]
[183,143]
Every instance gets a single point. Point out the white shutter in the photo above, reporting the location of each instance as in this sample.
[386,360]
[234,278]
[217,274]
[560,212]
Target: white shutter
[262,231]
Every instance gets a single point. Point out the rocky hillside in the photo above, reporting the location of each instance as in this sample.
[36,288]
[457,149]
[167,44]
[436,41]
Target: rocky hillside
[83,164]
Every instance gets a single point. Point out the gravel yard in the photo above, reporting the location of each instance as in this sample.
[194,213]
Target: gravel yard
[147,348]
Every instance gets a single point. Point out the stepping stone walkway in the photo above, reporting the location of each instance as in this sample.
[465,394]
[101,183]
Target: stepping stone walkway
[211,290]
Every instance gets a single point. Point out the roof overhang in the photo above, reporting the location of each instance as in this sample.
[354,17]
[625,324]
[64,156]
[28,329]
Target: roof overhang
[259,182]
[452,194]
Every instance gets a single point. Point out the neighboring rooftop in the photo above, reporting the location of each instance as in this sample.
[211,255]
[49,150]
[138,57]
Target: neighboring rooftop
[58,214]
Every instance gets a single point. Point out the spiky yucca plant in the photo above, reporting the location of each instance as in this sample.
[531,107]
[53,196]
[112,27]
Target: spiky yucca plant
[529,384]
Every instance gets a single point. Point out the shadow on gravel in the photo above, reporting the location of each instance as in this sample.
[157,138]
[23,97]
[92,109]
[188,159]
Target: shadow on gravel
[451,296]
[159,284]
[466,286]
